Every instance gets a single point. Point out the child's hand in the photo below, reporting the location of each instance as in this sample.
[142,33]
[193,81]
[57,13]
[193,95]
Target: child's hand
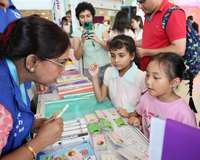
[134,121]
[123,112]
[94,70]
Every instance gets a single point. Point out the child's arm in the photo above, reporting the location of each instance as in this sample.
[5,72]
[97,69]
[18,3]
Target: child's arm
[77,45]
[100,90]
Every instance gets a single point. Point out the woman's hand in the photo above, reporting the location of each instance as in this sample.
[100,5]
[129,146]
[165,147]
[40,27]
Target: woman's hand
[94,37]
[38,123]
[84,36]
[50,131]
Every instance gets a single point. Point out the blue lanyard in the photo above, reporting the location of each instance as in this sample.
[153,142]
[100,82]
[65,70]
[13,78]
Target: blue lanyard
[13,71]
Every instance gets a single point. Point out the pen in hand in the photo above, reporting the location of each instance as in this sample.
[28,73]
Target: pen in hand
[57,114]
[62,111]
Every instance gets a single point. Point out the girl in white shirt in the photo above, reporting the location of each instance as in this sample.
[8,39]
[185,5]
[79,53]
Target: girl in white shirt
[123,82]
[121,25]
[137,27]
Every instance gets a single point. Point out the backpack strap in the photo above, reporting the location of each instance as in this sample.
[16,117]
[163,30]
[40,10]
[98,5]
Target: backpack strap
[167,14]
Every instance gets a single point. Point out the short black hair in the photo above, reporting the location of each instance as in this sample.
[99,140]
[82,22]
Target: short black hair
[190,18]
[121,41]
[33,35]
[68,12]
[173,64]
[84,6]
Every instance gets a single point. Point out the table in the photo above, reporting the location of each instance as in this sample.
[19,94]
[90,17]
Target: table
[82,104]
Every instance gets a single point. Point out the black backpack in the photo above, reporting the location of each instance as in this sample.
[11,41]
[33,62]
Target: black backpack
[192,52]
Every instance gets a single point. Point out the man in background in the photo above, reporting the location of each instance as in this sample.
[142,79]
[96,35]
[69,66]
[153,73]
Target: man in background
[156,39]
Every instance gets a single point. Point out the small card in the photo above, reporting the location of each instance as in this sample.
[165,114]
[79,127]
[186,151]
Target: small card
[76,122]
[108,156]
[73,154]
[105,124]
[100,114]
[93,128]
[116,138]
[119,122]
[99,142]
[91,118]
[132,153]
[112,113]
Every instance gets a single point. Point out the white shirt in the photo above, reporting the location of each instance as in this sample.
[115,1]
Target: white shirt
[138,34]
[125,91]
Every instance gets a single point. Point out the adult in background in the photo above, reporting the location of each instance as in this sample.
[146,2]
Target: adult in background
[157,40]
[90,44]
[8,13]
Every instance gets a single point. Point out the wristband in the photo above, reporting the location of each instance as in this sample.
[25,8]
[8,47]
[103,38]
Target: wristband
[31,150]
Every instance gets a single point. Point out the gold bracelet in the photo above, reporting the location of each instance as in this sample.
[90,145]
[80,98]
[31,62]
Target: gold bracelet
[31,150]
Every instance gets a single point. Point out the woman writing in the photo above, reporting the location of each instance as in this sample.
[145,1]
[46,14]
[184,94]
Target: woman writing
[31,49]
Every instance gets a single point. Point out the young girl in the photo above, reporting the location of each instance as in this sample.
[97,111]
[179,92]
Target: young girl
[137,27]
[123,81]
[164,73]
[121,25]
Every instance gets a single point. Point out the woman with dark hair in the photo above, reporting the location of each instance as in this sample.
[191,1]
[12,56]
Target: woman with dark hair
[121,25]
[32,49]
[66,23]
[90,40]
[137,27]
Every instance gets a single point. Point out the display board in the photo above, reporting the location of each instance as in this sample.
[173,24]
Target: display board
[78,106]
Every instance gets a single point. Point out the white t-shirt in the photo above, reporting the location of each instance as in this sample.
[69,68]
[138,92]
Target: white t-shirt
[138,34]
[93,52]
[125,91]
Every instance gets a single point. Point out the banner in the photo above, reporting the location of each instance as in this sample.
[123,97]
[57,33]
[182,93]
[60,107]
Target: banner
[172,140]
[191,3]
[58,11]
[191,7]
